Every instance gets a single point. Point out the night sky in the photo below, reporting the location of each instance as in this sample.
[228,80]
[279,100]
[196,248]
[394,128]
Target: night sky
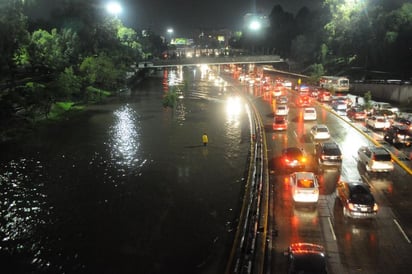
[186,15]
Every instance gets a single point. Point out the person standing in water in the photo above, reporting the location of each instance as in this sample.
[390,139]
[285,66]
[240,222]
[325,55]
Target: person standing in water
[205,139]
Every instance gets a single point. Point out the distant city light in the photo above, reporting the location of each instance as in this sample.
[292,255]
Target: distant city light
[114,8]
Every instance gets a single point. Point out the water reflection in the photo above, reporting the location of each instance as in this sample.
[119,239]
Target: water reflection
[23,209]
[125,142]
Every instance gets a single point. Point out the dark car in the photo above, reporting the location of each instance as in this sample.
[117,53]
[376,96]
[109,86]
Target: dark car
[356,199]
[356,113]
[306,258]
[293,157]
[283,99]
[328,154]
[398,135]
[402,121]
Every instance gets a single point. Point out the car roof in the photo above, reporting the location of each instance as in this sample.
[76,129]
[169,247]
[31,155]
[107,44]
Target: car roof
[329,145]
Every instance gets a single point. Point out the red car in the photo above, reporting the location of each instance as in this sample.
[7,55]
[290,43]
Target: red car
[324,95]
[280,123]
[303,101]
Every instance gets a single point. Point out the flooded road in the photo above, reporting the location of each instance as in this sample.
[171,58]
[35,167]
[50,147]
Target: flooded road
[128,187]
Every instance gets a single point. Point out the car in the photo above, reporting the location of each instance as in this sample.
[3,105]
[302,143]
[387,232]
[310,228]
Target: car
[320,132]
[398,134]
[375,159]
[281,110]
[283,99]
[388,114]
[328,154]
[309,114]
[324,95]
[287,84]
[378,122]
[384,106]
[340,107]
[356,199]
[402,121]
[303,101]
[306,258]
[293,157]
[280,123]
[356,113]
[305,187]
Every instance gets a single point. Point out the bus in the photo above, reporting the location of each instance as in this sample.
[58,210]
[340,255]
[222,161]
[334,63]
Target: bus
[335,84]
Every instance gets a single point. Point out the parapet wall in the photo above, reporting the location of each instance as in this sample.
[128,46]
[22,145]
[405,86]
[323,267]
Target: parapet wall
[399,94]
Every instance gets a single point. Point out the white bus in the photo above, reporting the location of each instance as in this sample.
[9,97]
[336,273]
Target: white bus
[334,83]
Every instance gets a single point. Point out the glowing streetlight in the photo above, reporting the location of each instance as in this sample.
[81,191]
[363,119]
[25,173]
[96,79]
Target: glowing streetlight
[170,31]
[114,8]
[255,25]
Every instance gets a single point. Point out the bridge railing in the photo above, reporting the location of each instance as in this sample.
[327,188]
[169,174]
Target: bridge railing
[211,60]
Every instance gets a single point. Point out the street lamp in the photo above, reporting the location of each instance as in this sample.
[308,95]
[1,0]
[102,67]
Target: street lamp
[170,32]
[114,8]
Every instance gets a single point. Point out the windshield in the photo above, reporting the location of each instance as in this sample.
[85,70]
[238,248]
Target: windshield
[382,157]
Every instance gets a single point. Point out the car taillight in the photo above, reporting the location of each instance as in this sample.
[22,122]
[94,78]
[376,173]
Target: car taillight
[375,207]
[303,159]
[323,157]
[351,206]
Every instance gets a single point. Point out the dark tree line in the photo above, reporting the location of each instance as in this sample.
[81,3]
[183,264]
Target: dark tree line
[79,54]
[342,36]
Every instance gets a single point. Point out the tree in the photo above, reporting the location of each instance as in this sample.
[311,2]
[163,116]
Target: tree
[68,85]
[100,71]
[13,33]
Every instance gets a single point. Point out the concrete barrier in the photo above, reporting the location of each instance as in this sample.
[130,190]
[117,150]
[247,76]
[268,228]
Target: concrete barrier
[399,94]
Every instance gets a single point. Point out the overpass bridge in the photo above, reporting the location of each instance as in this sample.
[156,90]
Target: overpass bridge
[218,60]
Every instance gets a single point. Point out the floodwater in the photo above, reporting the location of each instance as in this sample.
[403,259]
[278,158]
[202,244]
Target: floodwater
[127,186]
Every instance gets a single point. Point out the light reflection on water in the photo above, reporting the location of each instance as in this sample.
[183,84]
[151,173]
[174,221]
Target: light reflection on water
[23,209]
[125,142]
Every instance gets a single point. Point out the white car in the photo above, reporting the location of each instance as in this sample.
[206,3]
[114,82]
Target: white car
[378,122]
[375,159]
[282,110]
[305,187]
[320,132]
[309,114]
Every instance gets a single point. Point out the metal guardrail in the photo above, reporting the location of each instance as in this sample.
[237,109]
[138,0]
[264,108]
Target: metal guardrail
[248,251]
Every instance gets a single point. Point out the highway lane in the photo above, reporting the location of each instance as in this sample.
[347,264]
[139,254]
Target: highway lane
[353,246]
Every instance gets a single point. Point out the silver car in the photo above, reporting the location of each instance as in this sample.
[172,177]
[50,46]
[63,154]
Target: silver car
[375,159]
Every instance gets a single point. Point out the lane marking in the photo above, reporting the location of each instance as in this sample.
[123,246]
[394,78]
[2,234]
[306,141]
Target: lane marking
[331,229]
[402,231]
